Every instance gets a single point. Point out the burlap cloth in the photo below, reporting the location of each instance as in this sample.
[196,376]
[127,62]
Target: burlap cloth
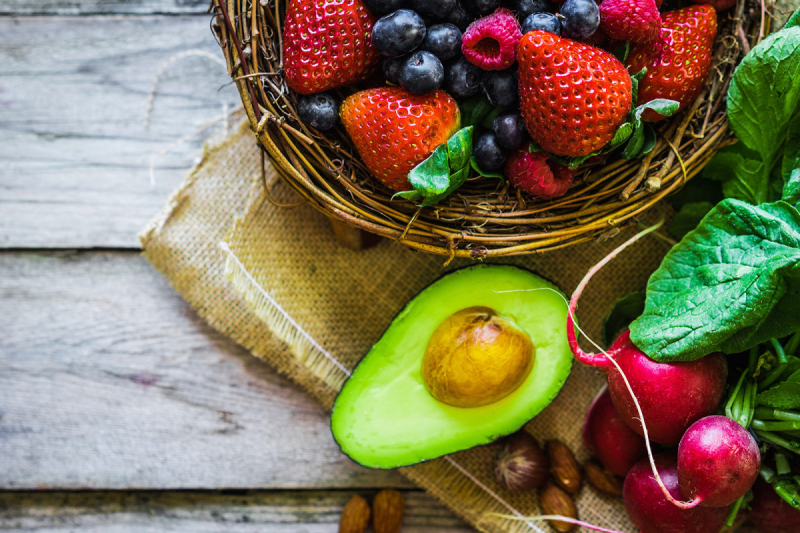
[283,288]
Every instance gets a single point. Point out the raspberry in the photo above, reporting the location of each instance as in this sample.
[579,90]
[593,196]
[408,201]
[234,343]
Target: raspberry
[533,174]
[491,42]
[635,21]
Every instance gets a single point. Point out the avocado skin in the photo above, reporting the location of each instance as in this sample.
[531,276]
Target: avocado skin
[384,417]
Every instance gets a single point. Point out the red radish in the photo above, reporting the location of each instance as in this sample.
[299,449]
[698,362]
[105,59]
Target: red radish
[718,461]
[652,512]
[672,396]
[769,513]
[616,445]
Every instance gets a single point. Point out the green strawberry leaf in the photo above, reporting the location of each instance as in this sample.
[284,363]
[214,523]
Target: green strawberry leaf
[475,110]
[650,140]
[635,79]
[623,133]
[444,171]
[459,149]
[636,141]
[432,176]
[485,173]
[622,51]
[662,106]
[791,191]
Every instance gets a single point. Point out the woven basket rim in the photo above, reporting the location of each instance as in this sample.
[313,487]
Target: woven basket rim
[476,222]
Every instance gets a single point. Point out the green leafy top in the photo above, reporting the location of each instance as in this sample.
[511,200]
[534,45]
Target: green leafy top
[444,171]
[734,281]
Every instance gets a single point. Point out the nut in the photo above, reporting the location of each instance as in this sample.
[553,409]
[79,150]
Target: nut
[563,466]
[355,516]
[387,508]
[555,501]
[521,465]
[602,479]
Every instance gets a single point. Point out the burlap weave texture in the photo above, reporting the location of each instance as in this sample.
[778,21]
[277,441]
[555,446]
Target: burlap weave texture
[283,262]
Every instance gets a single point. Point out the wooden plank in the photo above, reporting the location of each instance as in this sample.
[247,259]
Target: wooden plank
[109,381]
[74,150]
[104,7]
[198,512]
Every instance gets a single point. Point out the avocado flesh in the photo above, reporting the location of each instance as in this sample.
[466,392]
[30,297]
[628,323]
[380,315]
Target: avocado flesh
[384,417]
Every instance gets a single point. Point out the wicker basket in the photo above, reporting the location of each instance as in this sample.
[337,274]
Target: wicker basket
[483,218]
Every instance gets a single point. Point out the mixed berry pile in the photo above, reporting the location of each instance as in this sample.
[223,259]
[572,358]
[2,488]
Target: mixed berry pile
[543,86]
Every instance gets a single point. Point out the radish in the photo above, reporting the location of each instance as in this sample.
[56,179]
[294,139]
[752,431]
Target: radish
[718,461]
[769,513]
[671,396]
[652,512]
[616,445]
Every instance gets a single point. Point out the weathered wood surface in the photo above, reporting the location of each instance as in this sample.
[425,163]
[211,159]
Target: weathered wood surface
[109,381]
[74,150]
[198,512]
[103,7]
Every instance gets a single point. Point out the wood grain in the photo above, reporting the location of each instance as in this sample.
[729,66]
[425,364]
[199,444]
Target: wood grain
[104,7]
[198,512]
[74,150]
[109,381]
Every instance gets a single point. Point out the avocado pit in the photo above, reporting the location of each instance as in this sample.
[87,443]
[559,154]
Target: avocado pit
[476,357]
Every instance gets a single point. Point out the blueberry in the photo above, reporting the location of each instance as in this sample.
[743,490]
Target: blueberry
[462,79]
[580,18]
[318,110]
[542,21]
[501,89]
[398,33]
[421,73]
[482,7]
[459,17]
[443,41]
[391,68]
[435,8]
[526,8]
[509,129]
[382,7]
[489,154]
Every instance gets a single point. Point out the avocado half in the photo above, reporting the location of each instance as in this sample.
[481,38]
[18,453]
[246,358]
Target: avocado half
[384,417]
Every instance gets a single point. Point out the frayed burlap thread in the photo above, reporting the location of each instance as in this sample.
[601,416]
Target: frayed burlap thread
[274,280]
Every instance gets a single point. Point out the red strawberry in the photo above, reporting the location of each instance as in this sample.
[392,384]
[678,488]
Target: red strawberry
[491,42]
[635,21]
[394,130]
[678,68]
[719,5]
[534,174]
[573,96]
[327,44]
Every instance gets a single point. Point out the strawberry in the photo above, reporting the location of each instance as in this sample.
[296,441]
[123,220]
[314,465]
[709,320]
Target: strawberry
[573,96]
[635,21]
[393,130]
[534,174]
[327,44]
[677,69]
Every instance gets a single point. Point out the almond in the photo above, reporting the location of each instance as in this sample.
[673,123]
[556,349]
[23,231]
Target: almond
[602,479]
[563,466]
[355,516]
[555,501]
[387,508]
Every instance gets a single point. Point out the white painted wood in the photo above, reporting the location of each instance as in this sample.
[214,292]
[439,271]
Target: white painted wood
[103,7]
[245,512]
[109,381]
[74,151]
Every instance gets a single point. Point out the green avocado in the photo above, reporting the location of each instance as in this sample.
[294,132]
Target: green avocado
[384,417]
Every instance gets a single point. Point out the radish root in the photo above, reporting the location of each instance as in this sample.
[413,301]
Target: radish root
[609,360]
[559,518]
